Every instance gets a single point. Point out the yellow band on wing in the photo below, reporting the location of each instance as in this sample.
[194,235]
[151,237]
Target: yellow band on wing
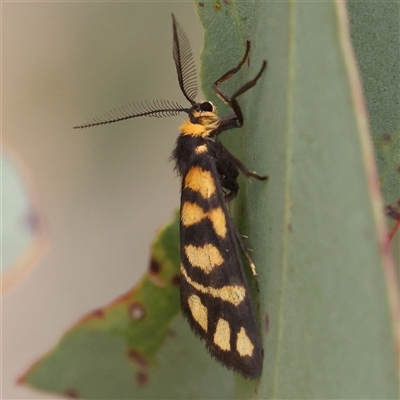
[233,294]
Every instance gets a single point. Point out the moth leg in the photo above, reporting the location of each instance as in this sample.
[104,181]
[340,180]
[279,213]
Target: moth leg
[237,118]
[241,167]
[232,186]
[224,97]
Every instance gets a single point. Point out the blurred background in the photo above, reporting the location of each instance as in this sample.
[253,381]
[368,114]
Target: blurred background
[104,191]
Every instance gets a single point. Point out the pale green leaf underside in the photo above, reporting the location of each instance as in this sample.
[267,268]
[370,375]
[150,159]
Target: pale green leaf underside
[316,226]
[24,240]
[375,31]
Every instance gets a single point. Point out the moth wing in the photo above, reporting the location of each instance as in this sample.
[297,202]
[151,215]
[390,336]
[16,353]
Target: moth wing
[215,296]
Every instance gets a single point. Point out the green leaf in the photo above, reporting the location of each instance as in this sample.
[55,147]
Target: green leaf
[375,32]
[317,226]
[135,347]
[24,240]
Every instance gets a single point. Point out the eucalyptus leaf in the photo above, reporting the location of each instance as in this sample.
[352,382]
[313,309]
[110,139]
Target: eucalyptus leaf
[24,238]
[317,226]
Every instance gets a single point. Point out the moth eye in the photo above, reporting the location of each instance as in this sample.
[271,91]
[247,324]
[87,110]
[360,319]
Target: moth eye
[206,106]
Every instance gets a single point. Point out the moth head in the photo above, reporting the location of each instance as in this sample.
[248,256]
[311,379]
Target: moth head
[203,113]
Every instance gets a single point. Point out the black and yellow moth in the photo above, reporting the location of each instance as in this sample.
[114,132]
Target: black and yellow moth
[215,296]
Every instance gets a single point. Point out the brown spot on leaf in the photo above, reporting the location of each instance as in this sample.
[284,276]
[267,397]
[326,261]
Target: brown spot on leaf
[217,6]
[398,169]
[171,333]
[137,311]
[201,4]
[142,378]
[154,267]
[138,358]
[99,313]
[266,323]
[391,212]
[387,137]
[72,394]
[226,2]
[290,227]
[176,280]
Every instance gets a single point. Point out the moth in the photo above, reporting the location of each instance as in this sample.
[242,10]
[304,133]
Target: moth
[215,295]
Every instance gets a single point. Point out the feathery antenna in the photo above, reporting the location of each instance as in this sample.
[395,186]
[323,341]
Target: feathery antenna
[155,108]
[186,70]
[185,66]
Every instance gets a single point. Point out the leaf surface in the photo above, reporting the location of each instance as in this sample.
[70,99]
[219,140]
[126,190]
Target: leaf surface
[328,295]
[24,238]
[135,347]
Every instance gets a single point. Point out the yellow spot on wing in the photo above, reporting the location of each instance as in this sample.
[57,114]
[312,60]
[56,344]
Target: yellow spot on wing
[192,214]
[206,257]
[217,217]
[200,181]
[198,310]
[222,335]
[243,344]
[233,294]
